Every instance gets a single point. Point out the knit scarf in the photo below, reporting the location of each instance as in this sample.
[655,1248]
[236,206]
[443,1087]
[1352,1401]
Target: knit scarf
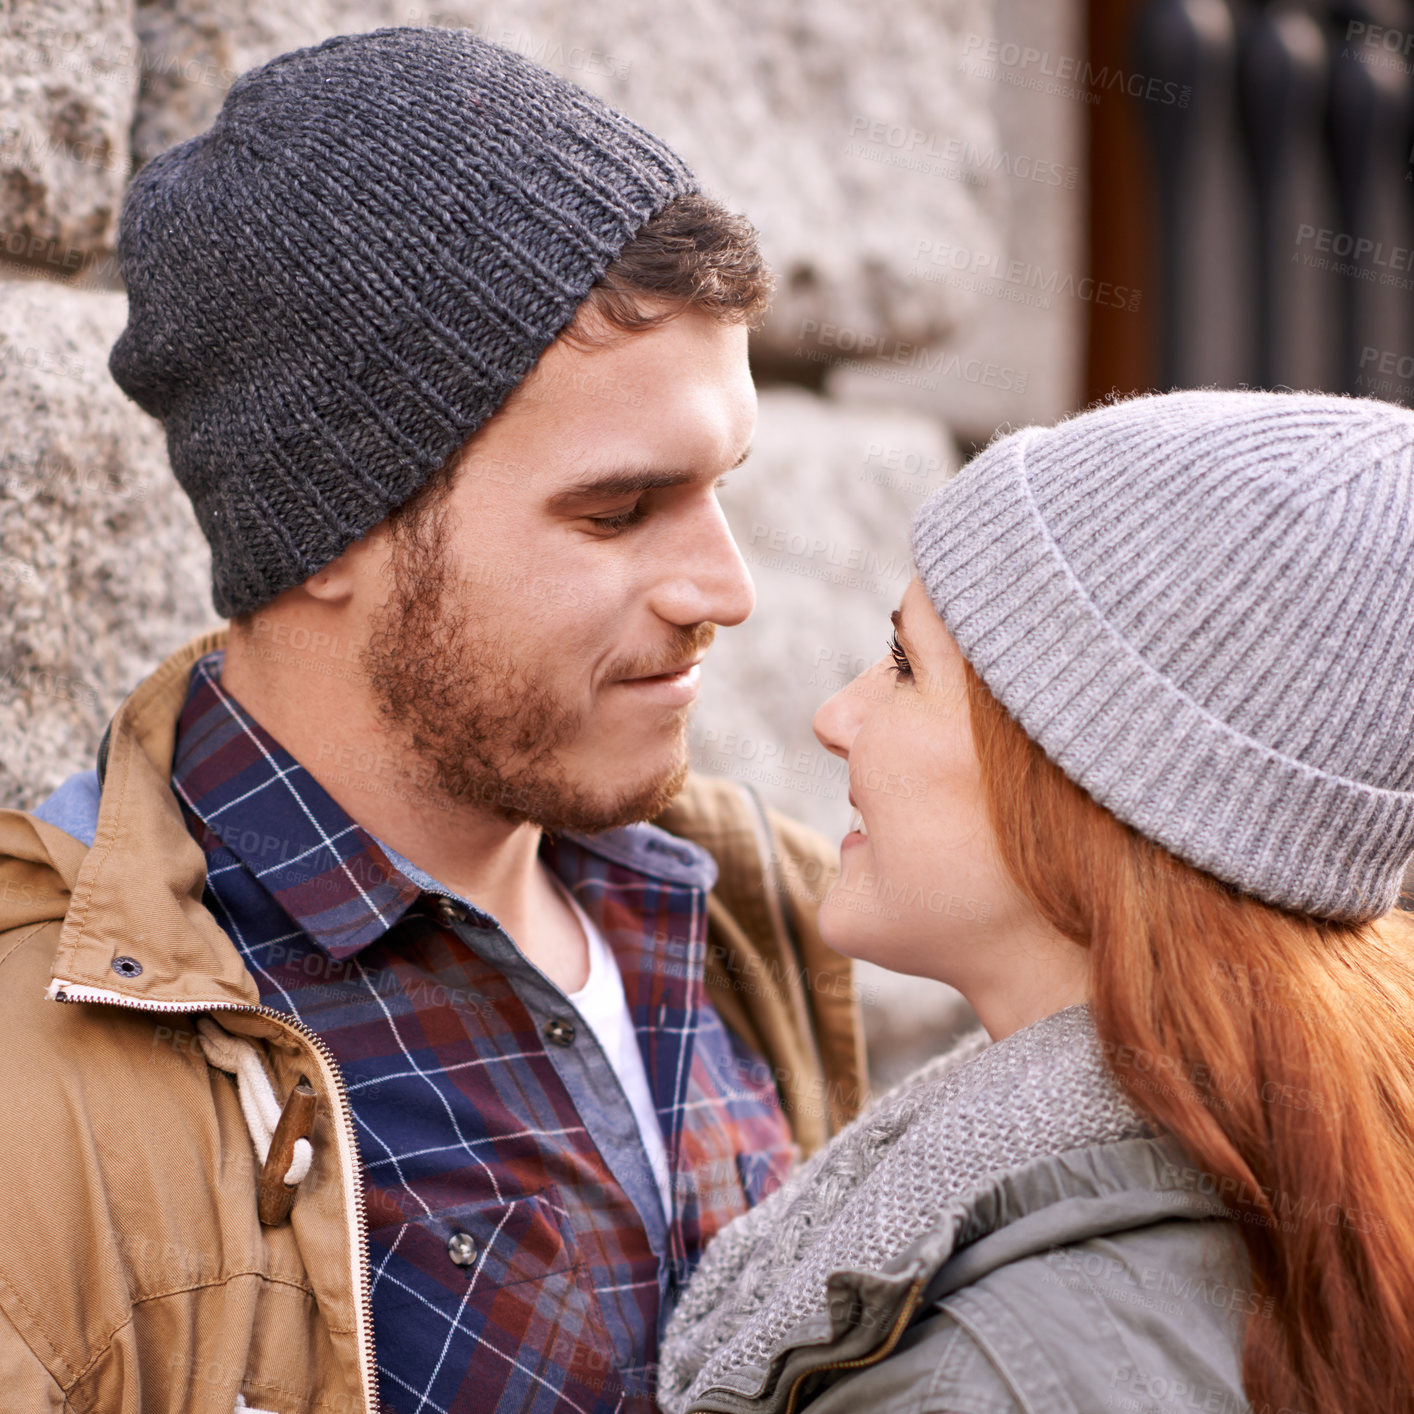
[897,1172]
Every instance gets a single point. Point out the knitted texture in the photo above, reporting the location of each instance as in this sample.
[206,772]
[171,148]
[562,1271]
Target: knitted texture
[339,281]
[1201,606]
[909,1164]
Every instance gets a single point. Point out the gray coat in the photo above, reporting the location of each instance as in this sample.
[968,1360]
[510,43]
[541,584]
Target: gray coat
[1090,1285]
[1091,1275]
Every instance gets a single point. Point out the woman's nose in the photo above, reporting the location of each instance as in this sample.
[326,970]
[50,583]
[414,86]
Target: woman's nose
[837,720]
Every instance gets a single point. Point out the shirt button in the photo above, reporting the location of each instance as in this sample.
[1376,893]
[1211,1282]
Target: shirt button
[559,1031]
[450,909]
[461,1248]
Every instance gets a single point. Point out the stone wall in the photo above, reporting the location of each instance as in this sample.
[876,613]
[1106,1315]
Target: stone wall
[874,151]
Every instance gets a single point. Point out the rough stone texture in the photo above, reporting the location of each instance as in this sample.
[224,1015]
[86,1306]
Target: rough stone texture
[67,91]
[822,512]
[764,101]
[1021,357]
[103,570]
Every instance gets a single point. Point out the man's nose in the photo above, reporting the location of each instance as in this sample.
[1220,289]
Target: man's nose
[708,580]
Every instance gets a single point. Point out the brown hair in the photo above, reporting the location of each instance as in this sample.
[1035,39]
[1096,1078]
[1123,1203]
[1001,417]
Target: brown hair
[1277,1048]
[694,254]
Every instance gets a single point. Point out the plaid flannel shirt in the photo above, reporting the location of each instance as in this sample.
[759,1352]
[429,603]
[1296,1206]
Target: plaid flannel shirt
[489,1121]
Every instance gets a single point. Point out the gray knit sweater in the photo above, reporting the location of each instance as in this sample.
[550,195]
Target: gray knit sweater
[894,1174]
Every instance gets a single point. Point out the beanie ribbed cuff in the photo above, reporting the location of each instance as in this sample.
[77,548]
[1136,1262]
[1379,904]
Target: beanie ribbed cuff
[1273,826]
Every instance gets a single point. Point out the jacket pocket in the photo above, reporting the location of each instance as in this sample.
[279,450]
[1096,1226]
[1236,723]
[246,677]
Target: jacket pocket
[489,1302]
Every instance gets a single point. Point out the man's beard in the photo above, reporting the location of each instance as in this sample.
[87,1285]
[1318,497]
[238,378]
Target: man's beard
[483,728]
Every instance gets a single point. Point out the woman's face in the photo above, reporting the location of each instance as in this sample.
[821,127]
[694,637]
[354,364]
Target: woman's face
[921,888]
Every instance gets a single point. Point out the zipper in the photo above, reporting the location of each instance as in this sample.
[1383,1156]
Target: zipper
[910,1303]
[62,991]
[901,1321]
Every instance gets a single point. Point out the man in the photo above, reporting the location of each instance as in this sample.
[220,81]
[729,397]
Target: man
[362,1042]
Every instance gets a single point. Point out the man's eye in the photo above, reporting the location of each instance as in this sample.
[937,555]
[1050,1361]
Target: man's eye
[622,520]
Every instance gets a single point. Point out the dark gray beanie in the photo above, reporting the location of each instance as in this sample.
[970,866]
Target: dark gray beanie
[339,281]
[1201,605]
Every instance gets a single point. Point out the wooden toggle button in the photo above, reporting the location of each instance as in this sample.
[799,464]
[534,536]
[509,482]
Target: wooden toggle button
[296,1121]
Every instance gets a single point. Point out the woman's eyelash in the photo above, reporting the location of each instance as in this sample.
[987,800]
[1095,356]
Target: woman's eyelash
[901,665]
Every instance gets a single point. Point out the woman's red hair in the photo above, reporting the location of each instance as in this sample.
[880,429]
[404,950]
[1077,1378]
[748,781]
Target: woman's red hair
[1277,1047]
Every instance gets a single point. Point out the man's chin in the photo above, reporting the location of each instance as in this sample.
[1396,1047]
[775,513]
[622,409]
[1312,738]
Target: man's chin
[560,803]
[588,813]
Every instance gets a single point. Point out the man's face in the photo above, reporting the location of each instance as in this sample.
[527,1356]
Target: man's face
[530,645]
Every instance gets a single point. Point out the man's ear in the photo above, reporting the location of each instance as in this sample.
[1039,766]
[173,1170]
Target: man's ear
[339,580]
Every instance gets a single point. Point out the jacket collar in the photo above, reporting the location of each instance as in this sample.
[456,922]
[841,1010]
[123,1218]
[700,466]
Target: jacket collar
[137,893]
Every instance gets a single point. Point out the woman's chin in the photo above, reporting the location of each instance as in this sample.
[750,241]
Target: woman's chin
[850,924]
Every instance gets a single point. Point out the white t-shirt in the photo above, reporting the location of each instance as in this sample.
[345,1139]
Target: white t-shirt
[601,1002]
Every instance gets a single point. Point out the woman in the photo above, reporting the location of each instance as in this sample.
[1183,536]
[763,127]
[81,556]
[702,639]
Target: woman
[1137,777]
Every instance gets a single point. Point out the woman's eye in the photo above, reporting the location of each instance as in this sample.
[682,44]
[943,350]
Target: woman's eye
[901,666]
[620,521]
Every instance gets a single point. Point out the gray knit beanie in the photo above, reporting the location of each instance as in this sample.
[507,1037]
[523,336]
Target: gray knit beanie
[1201,606]
[339,281]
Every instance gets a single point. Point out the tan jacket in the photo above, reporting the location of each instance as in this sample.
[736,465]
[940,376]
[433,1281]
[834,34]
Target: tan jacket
[135,1274]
